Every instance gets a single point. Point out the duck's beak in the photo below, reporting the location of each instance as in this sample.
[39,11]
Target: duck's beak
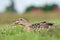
[16,22]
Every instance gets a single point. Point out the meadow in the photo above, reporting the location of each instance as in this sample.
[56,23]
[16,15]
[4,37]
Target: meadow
[9,31]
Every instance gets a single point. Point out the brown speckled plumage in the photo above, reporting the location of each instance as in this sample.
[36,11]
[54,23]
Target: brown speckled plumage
[29,26]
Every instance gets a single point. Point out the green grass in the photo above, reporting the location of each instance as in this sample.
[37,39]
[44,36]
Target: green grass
[10,32]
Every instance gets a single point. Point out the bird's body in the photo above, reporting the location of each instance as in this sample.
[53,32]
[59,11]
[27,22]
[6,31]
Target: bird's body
[29,26]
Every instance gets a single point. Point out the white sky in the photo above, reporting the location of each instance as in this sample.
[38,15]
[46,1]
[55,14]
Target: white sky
[21,5]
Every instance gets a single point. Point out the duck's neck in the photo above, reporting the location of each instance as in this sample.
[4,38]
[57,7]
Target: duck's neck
[27,24]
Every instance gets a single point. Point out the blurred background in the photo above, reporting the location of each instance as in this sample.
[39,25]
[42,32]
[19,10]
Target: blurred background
[33,10]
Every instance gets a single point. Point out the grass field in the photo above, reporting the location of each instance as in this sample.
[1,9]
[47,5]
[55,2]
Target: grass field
[15,32]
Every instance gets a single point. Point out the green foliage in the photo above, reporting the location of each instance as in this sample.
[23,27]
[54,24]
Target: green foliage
[11,7]
[30,8]
[44,8]
[49,7]
[8,32]
[8,9]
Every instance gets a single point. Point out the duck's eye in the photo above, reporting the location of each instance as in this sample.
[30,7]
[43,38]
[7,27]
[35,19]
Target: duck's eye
[21,19]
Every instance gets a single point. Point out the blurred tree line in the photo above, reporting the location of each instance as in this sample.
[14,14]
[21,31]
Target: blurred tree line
[44,8]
